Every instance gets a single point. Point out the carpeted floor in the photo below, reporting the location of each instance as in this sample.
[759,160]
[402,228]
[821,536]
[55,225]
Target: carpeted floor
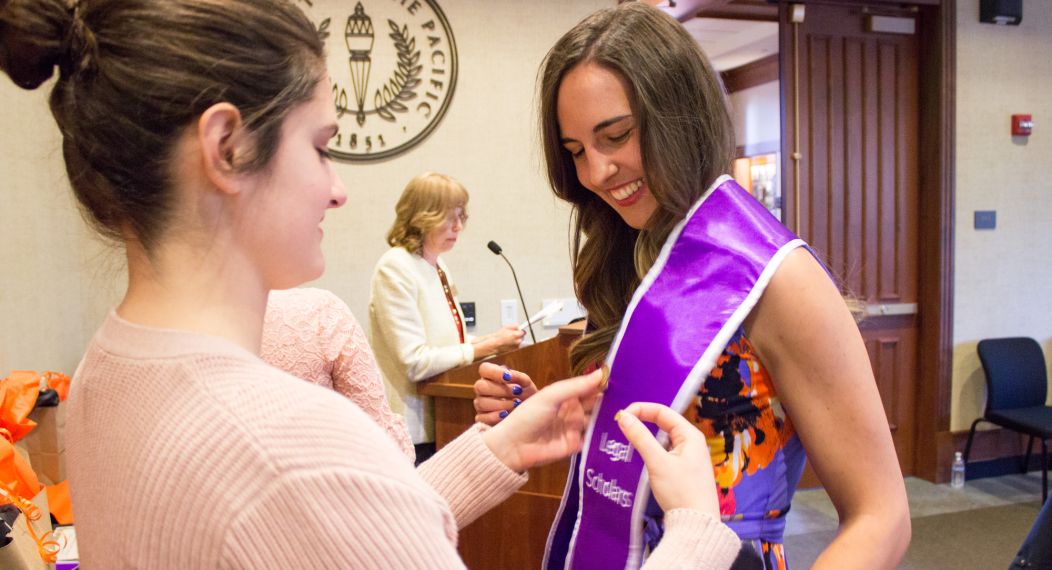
[979,538]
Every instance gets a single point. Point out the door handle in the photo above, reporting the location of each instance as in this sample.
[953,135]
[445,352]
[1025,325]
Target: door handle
[888,309]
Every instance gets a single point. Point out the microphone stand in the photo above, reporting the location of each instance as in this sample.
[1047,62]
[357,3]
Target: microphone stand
[522,300]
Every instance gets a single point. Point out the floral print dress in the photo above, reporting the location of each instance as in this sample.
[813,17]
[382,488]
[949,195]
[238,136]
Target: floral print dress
[757,456]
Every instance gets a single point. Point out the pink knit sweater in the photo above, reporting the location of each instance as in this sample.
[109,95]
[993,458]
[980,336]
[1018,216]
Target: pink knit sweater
[186,451]
[312,334]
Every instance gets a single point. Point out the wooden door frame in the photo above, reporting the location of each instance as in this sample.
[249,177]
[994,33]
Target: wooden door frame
[938,173]
[936,24]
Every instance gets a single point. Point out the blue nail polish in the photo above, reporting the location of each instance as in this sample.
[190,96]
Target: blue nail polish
[506,376]
[503,414]
[516,402]
[516,390]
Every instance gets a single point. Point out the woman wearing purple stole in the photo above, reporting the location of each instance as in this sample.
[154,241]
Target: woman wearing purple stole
[698,299]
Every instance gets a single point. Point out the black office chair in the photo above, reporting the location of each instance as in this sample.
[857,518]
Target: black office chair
[1016,389]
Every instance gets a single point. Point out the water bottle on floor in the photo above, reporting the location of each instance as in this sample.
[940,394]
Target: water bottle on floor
[957,471]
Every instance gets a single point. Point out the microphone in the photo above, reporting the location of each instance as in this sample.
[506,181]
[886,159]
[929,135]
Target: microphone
[492,245]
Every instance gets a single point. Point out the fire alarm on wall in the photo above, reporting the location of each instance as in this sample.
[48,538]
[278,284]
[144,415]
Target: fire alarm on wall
[1022,125]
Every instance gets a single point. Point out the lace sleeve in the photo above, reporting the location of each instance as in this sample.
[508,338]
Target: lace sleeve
[311,334]
[293,336]
[356,375]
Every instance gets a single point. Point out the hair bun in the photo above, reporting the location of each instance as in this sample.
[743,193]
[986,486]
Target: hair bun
[34,39]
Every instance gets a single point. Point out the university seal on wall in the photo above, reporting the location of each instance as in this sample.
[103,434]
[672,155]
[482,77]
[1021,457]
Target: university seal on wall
[393,65]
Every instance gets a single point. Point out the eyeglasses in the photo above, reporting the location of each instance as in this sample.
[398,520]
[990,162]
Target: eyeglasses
[457,214]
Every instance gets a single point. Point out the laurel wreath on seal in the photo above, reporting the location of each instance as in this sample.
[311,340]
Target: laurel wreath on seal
[323,27]
[400,87]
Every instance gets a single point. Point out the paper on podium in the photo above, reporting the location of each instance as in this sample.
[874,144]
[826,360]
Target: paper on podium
[549,310]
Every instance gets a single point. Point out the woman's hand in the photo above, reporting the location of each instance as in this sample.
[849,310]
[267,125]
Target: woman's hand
[682,476]
[549,427]
[505,339]
[499,391]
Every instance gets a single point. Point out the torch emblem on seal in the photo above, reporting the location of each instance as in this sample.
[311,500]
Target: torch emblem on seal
[359,38]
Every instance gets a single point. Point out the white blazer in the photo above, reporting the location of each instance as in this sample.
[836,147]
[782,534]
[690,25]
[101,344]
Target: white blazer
[413,334]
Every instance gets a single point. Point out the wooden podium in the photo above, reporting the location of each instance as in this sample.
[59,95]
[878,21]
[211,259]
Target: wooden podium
[513,534]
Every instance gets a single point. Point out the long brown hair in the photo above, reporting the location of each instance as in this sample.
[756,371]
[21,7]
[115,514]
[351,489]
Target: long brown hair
[134,74]
[686,141]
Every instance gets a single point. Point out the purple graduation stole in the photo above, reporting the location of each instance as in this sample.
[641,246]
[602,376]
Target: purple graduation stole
[710,273]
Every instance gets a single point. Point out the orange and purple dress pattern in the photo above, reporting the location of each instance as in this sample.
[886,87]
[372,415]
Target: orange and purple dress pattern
[757,456]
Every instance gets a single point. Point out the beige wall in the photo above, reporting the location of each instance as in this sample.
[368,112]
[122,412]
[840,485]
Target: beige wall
[488,141]
[57,285]
[57,281]
[1003,281]
[756,114]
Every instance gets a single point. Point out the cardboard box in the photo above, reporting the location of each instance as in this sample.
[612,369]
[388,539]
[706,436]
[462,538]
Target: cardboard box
[50,434]
[21,553]
[46,444]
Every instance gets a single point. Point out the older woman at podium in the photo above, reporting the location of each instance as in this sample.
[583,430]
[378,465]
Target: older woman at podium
[416,323]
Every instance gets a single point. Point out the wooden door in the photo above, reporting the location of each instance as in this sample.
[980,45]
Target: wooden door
[850,148]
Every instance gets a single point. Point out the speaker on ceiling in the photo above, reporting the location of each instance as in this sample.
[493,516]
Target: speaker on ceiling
[1003,12]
